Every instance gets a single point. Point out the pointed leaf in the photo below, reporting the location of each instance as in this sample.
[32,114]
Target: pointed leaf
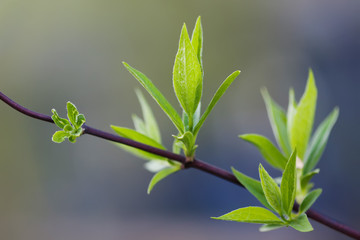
[271,190]
[161,175]
[305,179]
[270,153]
[72,113]
[139,124]
[288,185]
[290,112]
[309,200]
[60,122]
[278,120]
[253,186]
[157,95]
[197,40]
[151,125]
[301,224]
[270,227]
[60,136]
[251,215]
[301,124]
[221,90]
[136,136]
[319,140]
[187,75]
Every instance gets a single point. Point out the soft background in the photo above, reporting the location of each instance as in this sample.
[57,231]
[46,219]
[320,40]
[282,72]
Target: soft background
[55,51]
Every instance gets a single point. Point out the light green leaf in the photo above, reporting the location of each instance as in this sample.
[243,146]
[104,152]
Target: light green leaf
[136,136]
[161,175]
[270,227]
[151,125]
[301,224]
[309,200]
[176,147]
[60,122]
[188,141]
[251,215]
[157,95]
[139,124]
[288,185]
[253,186]
[80,120]
[319,140]
[197,40]
[278,120]
[271,190]
[60,136]
[187,76]
[305,179]
[291,111]
[197,114]
[300,126]
[221,90]
[72,113]
[270,153]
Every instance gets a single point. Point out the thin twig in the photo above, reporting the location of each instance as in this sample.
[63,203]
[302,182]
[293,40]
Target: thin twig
[198,164]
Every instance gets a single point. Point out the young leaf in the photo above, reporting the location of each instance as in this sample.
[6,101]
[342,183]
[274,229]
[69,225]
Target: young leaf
[188,141]
[270,153]
[134,135]
[278,120]
[157,95]
[161,175]
[60,122]
[187,75]
[271,189]
[301,224]
[305,179]
[288,185]
[60,136]
[319,140]
[309,200]
[156,165]
[152,128]
[221,90]
[197,40]
[270,227]
[251,215]
[139,124]
[300,126]
[80,120]
[253,186]
[72,113]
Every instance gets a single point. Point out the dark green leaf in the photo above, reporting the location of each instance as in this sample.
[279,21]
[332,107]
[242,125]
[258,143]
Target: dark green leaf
[301,224]
[157,95]
[309,200]
[221,90]
[161,175]
[277,119]
[271,190]
[270,153]
[251,215]
[288,185]
[319,140]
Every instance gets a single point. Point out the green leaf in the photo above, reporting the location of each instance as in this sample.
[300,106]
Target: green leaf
[300,126]
[139,124]
[278,120]
[176,148]
[197,114]
[221,90]
[251,215]
[270,227]
[72,113]
[60,122]
[136,136]
[253,186]
[151,125]
[80,120]
[288,185]
[161,175]
[301,224]
[188,141]
[271,190]
[72,139]
[305,179]
[319,140]
[197,40]
[309,200]
[157,95]
[291,111]
[60,136]
[187,75]
[270,153]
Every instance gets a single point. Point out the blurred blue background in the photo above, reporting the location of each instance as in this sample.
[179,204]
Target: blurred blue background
[55,51]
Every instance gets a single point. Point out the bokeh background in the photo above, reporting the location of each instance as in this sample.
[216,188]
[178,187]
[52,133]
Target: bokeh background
[55,51]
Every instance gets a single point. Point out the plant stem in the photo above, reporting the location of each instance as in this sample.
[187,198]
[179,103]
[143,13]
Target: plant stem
[198,164]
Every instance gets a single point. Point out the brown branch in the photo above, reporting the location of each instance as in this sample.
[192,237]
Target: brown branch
[198,164]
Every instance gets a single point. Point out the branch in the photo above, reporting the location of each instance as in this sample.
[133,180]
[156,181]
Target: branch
[198,164]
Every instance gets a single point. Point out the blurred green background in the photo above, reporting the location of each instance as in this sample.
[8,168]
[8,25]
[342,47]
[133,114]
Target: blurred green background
[55,51]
